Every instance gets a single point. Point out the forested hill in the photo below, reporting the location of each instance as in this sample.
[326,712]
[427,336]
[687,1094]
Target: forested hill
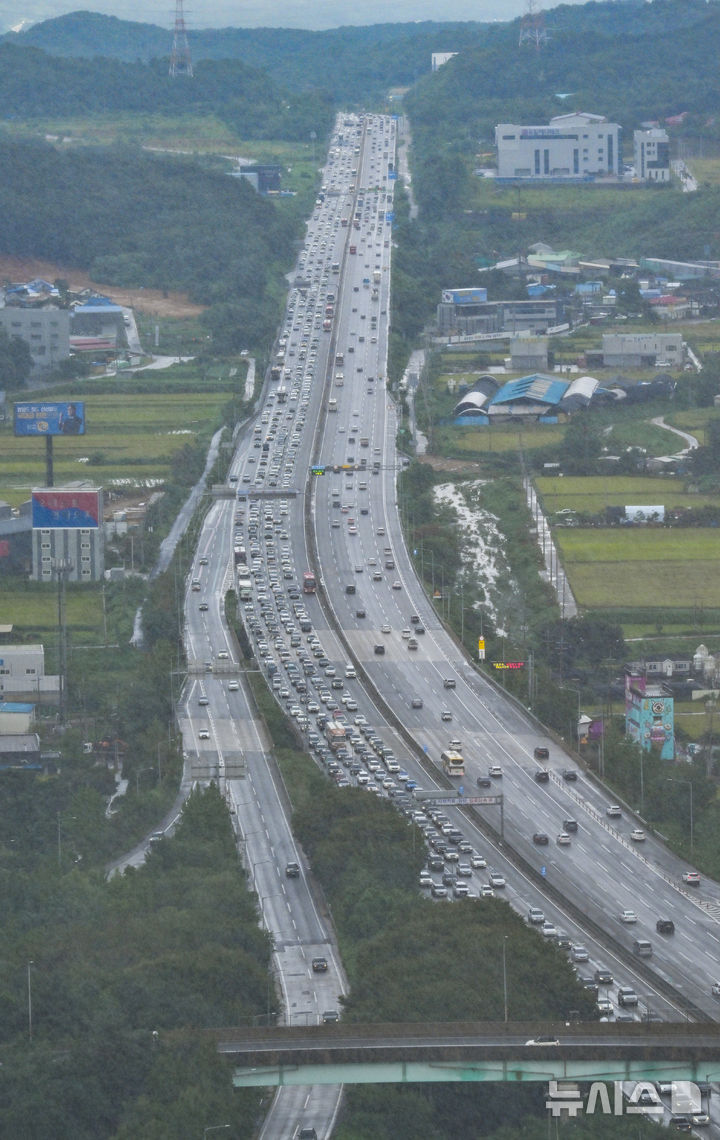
[660,54]
[352,63]
[628,62]
[136,219]
[34,83]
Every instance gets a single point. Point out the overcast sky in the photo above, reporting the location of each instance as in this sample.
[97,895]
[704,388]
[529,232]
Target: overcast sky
[271,13]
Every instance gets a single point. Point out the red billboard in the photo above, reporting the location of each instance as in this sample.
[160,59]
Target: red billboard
[63,507]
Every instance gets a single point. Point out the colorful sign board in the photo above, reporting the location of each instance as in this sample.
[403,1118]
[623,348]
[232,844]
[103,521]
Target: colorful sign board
[464,296]
[49,419]
[60,508]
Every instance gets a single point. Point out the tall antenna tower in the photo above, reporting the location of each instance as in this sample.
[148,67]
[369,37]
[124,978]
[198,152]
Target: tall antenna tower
[180,61]
[532,27]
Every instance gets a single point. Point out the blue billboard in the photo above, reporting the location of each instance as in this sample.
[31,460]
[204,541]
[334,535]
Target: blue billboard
[49,419]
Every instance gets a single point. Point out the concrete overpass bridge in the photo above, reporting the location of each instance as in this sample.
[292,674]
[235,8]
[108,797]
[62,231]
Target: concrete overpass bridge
[473,1051]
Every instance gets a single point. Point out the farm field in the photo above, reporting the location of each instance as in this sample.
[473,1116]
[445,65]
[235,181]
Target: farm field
[33,610]
[593,493]
[662,569]
[130,441]
[505,437]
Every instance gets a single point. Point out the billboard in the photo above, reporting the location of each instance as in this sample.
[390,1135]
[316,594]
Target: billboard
[464,296]
[62,508]
[645,514]
[50,419]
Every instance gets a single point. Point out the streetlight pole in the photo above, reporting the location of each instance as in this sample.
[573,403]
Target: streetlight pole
[692,830]
[29,997]
[578,694]
[505,989]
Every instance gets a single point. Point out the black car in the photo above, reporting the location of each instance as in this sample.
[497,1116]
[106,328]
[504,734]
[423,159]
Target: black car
[484,782]
[542,775]
[570,825]
[570,774]
[665,926]
[319,965]
[379,650]
[541,839]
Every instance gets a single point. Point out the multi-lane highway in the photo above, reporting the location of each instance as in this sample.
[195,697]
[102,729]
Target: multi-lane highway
[362,646]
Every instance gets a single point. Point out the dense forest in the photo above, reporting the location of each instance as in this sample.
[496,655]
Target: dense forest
[36,83]
[614,53]
[135,219]
[105,985]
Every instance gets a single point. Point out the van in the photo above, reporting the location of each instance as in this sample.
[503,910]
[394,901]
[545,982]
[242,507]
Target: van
[449,683]
[642,948]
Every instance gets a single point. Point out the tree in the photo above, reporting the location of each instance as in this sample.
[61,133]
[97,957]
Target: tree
[582,445]
[15,361]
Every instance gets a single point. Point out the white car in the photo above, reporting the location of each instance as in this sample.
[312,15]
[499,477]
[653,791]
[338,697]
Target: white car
[637,835]
[627,916]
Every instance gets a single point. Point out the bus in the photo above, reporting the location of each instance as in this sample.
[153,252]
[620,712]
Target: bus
[309,583]
[452,762]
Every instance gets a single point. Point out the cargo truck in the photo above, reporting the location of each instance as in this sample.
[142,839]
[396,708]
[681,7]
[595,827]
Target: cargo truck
[335,734]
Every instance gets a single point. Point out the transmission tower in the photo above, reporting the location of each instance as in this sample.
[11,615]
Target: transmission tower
[180,61]
[532,27]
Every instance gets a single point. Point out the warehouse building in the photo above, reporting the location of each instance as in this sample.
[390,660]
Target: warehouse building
[577,146]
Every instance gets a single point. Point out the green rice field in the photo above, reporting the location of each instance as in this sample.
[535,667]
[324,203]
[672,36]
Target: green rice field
[130,440]
[591,494]
[662,569]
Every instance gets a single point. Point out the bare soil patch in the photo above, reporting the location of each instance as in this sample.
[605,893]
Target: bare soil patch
[456,466]
[151,301]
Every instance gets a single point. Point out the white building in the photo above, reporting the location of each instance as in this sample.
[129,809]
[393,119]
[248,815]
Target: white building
[651,155]
[441,57]
[574,146]
[22,672]
[642,350]
[46,332]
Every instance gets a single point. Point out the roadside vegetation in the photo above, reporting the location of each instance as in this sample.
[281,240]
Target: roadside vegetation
[108,987]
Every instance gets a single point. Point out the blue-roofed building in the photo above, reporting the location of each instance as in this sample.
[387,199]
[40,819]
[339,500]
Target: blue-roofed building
[537,396]
[16,717]
[98,316]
